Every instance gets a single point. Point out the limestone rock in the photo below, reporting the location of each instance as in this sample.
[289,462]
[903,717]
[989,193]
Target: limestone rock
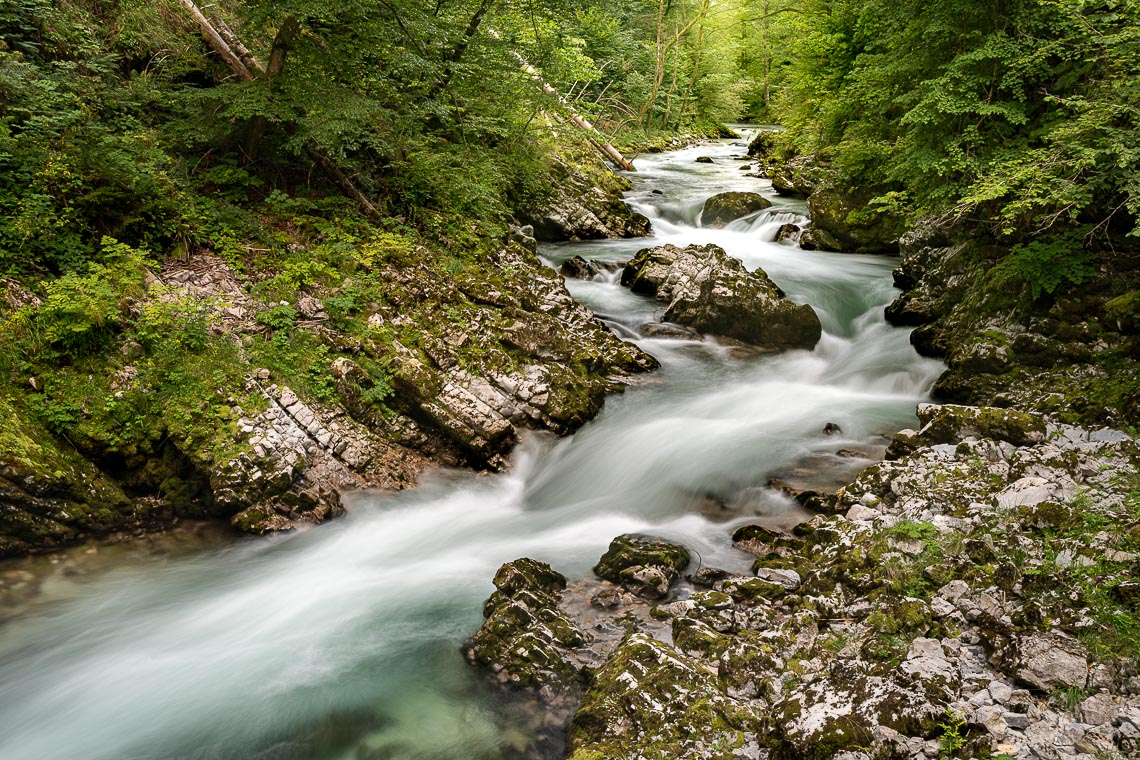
[1048,661]
[525,638]
[951,423]
[843,220]
[650,700]
[645,564]
[711,292]
[798,176]
[584,203]
[579,268]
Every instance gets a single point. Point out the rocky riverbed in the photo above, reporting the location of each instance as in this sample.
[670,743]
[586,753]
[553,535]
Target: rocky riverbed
[971,596]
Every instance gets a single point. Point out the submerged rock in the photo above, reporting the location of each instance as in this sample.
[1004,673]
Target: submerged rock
[579,268]
[704,160]
[788,232]
[644,564]
[712,292]
[723,208]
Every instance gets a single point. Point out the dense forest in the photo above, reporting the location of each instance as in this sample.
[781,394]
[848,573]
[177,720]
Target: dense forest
[313,149]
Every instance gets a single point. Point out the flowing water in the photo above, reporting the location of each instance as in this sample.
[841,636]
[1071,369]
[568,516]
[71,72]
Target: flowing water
[343,641]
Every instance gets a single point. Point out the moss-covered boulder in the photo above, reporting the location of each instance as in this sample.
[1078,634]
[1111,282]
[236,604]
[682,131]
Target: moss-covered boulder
[525,638]
[582,201]
[644,564]
[710,291]
[651,701]
[842,711]
[723,208]
[950,423]
[847,221]
[49,494]
[798,176]
[763,144]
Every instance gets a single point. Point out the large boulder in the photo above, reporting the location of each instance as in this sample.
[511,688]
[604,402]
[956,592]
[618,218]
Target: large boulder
[723,208]
[845,220]
[710,291]
[644,564]
[763,145]
[49,494]
[526,639]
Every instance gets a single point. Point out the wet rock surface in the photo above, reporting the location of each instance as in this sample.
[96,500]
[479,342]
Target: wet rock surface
[1071,355]
[845,220]
[713,293]
[723,208]
[962,596]
[643,564]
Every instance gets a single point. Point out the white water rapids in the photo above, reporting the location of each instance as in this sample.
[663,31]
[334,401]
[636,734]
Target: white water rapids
[343,641]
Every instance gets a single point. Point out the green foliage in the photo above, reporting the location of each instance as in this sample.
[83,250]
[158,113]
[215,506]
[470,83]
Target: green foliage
[79,313]
[952,738]
[1023,114]
[913,530]
[1046,265]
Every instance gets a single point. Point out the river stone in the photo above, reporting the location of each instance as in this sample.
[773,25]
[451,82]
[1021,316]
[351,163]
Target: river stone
[525,639]
[951,423]
[789,579]
[644,564]
[722,208]
[841,710]
[798,176]
[710,291]
[704,160]
[788,231]
[579,268]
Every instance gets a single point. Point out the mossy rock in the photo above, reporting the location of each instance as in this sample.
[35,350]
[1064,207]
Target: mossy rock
[949,423]
[894,615]
[527,573]
[1123,312]
[651,700]
[526,639]
[49,494]
[752,589]
[645,564]
[844,220]
[723,208]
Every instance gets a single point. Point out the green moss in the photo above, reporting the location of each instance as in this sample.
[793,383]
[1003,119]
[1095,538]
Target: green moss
[895,615]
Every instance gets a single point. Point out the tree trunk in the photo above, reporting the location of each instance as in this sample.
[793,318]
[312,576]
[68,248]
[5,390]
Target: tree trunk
[281,44]
[603,145]
[228,50]
[217,43]
[460,49]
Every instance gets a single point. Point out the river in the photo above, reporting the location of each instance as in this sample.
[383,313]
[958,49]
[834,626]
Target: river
[343,641]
